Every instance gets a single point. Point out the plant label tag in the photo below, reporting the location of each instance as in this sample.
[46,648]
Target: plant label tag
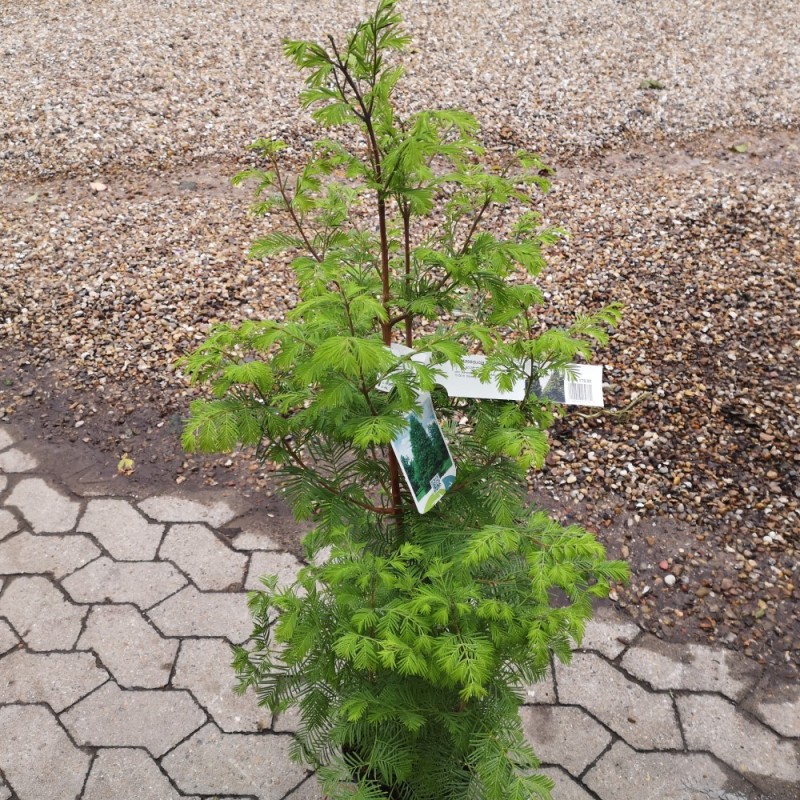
[425,458]
[466,383]
[577,385]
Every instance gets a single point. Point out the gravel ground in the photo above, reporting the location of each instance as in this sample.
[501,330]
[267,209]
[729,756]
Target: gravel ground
[121,241]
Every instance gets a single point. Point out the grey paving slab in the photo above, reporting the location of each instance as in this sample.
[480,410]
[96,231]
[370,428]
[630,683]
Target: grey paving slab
[127,774]
[15,460]
[191,612]
[691,666]
[565,788]
[143,583]
[204,668]
[40,614]
[543,691]
[8,524]
[624,774]
[174,508]
[608,633]
[645,720]
[564,735]
[254,540]
[58,679]
[3,483]
[778,705]
[309,789]
[134,652]
[121,529]
[287,721]
[58,555]
[36,756]
[6,439]
[113,717]
[46,509]
[712,723]
[212,762]
[8,639]
[5,792]
[208,561]
[284,565]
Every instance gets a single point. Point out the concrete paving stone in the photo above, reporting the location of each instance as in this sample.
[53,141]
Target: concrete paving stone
[129,646]
[287,721]
[41,615]
[212,762]
[209,562]
[695,667]
[778,705]
[8,639]
[712,723]
[36,756]
[254,540]
[143,583]
[252,531]
[58,555]
[644,719]
[623,774]
[5,792]
[543,691]
[121,529]
[608,632]
[45,508]
[204,668]
[6,439]
[58,679]
[3,483]
[172,508]
[284,565]
[191,612]
[308,790]
[16,461]
[113,717]
[565,787]
[8,524]
[129,774]
[564,735]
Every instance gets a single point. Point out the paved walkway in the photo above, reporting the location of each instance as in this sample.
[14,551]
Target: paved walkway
[116,618]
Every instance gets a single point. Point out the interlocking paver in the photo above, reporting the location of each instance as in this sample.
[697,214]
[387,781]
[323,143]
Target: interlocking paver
[212,762]
[644,719]
[45,508]
[8,638]
[691,666]
[191,612]
[284,565]
[58,679]
[6,440]
[113,717]
[129,646]
[204,667]
[712,723]
[121,529]
[3,483]
[209,562]
[37,757]
[8,525]
[564,735]
[5,792]
[143,583]
[777,704]
[608,633]
[543,691]
[15,460]
[623,774]
[565,787]
[40,614]
[28,553]
[127,774]
[287,721]
[172,508]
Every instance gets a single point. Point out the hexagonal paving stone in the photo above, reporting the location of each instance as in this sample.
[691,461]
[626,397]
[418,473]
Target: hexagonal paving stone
[204,667]
[127,774]
[129,646]
[563,735]
[608,632]
[6,439]
[41,615]
[646,720]
[284,565]
[694,667]
[28,553]
[172,508]
[45,508]
[565,787]
[121,529]
[209,562]
[8,525]
[543,691]
[17,461]
[777,703]
[58,679]
[191,612]
[142,583]
[212,762]
[155,720]
[8,639]
[37,757]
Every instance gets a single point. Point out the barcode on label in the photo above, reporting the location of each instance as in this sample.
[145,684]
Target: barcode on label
[578,391]
[436,483]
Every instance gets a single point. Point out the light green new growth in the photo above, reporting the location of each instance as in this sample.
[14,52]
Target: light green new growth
[406,649]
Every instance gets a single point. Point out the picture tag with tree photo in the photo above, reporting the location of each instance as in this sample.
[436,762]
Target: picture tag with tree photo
[578,385]
[424,457]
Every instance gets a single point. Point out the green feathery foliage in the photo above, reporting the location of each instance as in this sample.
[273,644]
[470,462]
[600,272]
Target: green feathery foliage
[406,646]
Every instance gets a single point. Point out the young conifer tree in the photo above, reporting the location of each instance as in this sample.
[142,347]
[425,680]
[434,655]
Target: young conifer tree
[406,640]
